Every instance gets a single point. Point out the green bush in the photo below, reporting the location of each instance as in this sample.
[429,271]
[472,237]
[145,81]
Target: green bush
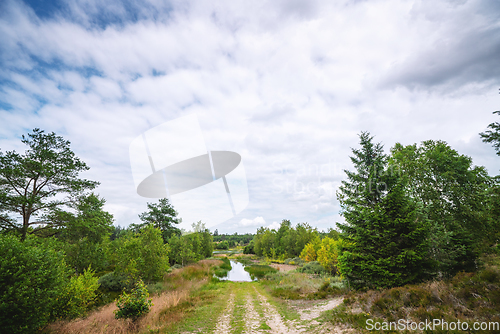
[32,278]
[79,295]
[133,305]
[114,282]
[313,267]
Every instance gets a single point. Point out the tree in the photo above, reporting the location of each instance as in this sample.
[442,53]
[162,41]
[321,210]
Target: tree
[163,216]
[85,232]
[33,184]
[454,194]
[385,234]
[143,255]
[493,134]
[328,254]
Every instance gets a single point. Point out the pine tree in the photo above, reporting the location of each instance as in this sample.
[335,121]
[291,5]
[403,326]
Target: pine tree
[385,231]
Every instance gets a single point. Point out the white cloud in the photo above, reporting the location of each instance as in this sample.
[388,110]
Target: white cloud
[287,84]
[274,226]
[256,222]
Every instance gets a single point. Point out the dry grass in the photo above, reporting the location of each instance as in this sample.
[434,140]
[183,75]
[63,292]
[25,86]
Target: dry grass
[102,321]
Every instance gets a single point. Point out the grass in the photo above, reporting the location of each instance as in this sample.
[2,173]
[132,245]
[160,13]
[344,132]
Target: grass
[293,285]
[203,310]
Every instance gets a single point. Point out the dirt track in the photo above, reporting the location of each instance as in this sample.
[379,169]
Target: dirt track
[249,310]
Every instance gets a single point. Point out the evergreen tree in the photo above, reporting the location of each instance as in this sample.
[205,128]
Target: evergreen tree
[385,235]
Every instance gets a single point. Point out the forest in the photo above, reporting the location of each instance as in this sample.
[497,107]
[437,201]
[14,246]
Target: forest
[419,213]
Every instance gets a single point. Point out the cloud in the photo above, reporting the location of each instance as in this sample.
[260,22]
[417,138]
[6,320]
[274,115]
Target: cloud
[256,222]
[286,84]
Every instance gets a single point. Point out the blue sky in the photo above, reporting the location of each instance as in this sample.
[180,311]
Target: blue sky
[287,84]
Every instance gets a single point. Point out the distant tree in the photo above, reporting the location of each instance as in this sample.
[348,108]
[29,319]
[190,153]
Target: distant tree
[34,184]
[216,232]
[163,216]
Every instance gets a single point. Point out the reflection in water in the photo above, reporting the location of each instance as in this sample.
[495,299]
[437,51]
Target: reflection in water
[238,273]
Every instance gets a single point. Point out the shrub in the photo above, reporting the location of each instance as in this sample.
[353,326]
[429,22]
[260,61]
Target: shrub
[133,305]
[114,282]
[313,267]
[79,295]
[32,278]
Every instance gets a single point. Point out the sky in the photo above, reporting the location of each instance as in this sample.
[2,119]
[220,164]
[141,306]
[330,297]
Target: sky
[286,84]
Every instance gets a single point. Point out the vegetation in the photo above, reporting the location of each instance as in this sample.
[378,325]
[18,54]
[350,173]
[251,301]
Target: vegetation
[135,304]
[420,223]
[286,242]
[38,183]
[162,216]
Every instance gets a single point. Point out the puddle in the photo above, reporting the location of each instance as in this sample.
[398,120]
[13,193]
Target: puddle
[238,273]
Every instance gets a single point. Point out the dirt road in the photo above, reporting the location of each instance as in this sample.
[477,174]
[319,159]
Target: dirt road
[248,309]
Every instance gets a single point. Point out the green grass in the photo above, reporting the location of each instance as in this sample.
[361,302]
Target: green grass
[202,312]
[238,319]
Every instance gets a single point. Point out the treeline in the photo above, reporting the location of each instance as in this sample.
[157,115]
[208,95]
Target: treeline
[226,241]
[286,242]
[63,255]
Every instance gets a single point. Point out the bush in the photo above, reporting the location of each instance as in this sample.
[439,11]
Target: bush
[133,305]
[32,277]
[79,295]
[222,245]
[313,267]
[114,282]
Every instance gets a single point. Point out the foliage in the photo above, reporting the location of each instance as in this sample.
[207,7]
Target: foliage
[249,249]
[32,278]
[222,245]
[310,251]
[33,184]
[284,243]
[233,239]
[114,282]
[386,231]
[85,233]
[163,216]
[191,247]
[133,305]
[453,193]
[313,267]
[142,255]
[492,135]
[79,295]
[328,254]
